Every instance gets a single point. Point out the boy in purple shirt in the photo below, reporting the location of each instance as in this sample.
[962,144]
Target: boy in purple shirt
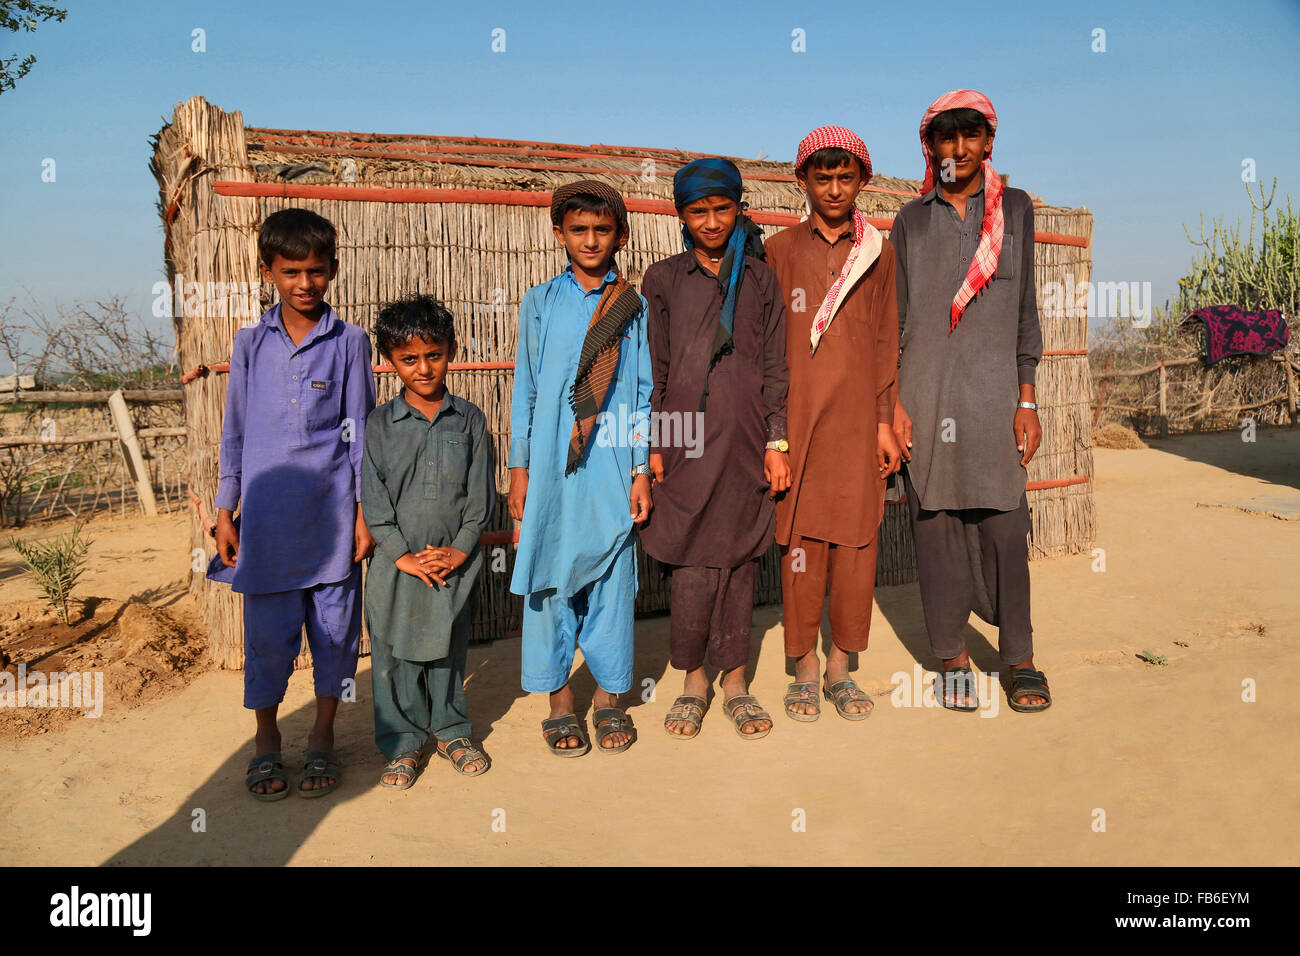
[301,386]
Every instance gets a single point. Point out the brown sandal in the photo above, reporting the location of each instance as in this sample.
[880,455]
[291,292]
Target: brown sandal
[689,710]
[745,709]
[848,692]
[802,692]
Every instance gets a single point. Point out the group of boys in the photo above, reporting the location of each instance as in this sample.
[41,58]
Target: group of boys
[817,366]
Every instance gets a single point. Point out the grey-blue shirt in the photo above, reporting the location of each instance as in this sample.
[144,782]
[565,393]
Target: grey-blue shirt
[961,389]
[424,483]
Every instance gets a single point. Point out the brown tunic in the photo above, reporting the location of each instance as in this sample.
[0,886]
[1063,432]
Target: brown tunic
[838,396]
[713,509]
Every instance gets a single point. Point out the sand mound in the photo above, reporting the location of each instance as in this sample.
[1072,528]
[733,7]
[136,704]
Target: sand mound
[1116,436]
[135,653]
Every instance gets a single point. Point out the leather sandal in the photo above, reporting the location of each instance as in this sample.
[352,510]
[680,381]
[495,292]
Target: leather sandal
[613,720]
[555,729]
[262,768]
[802,692]
[686,709]
[468,753]
[844,692]
[745,709]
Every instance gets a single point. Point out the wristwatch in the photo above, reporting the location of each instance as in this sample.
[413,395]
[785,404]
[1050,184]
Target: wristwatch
[638,470]
[1032,406]
[779,445]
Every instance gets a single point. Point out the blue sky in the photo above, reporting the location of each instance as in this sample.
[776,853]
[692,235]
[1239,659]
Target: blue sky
[1149,135]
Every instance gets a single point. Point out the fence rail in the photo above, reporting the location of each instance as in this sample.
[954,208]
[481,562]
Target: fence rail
[1209,395]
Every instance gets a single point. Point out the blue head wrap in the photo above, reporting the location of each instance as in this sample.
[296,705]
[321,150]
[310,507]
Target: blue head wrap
[716,177]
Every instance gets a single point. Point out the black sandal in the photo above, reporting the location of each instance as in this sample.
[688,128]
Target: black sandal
[555,729]
[613,720]
[395,768]
[958,683]
[1027,682]
[262,769]
[468,754]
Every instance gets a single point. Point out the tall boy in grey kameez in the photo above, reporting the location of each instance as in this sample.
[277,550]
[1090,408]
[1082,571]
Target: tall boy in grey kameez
[963,359]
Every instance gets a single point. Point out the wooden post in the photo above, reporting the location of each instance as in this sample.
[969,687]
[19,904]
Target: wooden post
[131,445]
[1291,400]
[1164,401]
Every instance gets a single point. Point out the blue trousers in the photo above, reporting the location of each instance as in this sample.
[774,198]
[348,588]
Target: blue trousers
[597,619]
[273,625]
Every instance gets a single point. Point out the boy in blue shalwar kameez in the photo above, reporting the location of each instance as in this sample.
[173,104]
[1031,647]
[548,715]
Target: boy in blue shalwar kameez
[583,364]
[300,388]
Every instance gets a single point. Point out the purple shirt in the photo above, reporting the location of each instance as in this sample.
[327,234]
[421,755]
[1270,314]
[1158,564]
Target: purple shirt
[291,450]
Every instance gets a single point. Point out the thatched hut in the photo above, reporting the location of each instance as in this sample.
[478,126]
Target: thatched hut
[467,219]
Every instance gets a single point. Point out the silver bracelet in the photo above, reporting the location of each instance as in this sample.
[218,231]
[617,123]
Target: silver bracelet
[1030,405]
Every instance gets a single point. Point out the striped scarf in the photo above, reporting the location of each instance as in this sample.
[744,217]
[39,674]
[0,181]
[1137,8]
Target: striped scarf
[984,264]
[865,251]
[619,305]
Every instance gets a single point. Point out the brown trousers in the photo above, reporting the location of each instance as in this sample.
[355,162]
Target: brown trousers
[712,609]
[849,574]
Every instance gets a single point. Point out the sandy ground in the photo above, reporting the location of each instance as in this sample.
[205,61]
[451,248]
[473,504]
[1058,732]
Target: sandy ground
[1171,759]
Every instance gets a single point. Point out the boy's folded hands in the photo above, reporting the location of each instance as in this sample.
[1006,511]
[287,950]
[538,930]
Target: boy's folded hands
[432,564]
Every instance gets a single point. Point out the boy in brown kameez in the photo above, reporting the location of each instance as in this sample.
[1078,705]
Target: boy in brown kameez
[717,345]
[842,348]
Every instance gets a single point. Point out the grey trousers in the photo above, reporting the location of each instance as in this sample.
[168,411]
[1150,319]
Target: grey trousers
[973,559]
[416,700]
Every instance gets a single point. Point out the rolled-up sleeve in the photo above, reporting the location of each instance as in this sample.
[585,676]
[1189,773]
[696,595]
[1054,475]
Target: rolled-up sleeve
[524,393]
[481,485]
[1029,340]
[232,427]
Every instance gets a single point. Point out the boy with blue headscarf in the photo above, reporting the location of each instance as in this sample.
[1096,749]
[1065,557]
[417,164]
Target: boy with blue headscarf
[718,448]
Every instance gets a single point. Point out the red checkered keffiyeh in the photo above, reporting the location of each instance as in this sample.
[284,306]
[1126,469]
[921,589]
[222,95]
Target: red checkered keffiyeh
[985,262]
[866,238]
[825,137]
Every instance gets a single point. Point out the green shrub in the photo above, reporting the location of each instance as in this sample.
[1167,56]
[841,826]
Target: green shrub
[56,564]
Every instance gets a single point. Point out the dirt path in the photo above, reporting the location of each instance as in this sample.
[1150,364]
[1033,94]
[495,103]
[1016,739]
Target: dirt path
[1183,769]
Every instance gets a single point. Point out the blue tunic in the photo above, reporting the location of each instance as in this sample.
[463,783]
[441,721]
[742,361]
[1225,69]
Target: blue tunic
[291,449]
[574,526]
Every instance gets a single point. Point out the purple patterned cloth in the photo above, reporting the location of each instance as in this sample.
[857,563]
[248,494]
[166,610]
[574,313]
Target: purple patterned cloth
[1231,330]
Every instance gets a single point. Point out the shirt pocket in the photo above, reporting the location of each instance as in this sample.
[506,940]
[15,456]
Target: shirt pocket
[453,468]
[320,397]
[1007,259]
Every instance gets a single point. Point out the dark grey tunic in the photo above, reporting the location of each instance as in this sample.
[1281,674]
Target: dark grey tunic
[424,483]
[961,389]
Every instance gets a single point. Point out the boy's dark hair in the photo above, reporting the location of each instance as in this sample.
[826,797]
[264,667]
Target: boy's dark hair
[586,202]
[295,234]
[410,317]
[963,120]
[832,157]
